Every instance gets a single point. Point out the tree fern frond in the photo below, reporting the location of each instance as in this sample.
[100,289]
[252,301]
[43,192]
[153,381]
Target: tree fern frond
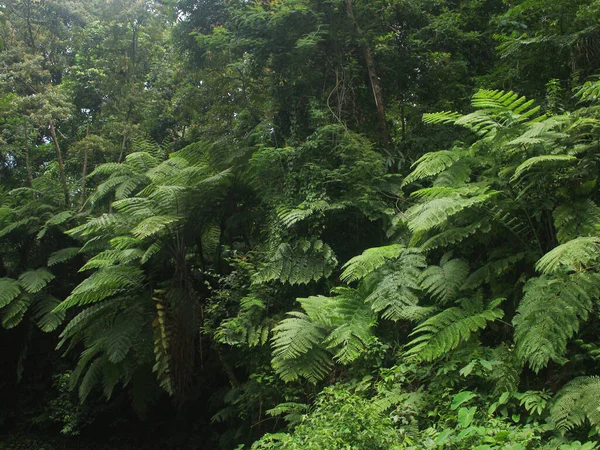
[9,290]
[370,260]
[574,219]
[574,255]
[549,315]
[435,213]
[111,169]
[103,284]
[34,281]
[154,225]
[161,348]
[123,332]
[298,350]
[354,320]
[491,270]
[443,282]
[62,255]
[94,225]
[452,236]
[136,207]
[431,164]
[13,313]
[155,248]
[79,322]
[441,117]
[44,314]
[577,402]
[111,257]
[92,377]
[589,91]
[445,331]
[141,161]
[544,161]
[396,293]
[300,263]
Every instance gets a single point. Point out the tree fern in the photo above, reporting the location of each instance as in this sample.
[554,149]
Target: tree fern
[445,331]
[574,255]
[9,290]
[13,313]
[574,219]
[577,403]
[63,255]
[394,293]
[44,315]
[550,314]
[435,213]
[541,163]
[298,349]
[34,281]
[299,263]
[371,259]
[103,284]
[443,282]
[353,322]
[492,270]
[431,164]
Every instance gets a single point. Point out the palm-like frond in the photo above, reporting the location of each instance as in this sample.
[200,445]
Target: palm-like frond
[550,314]
[445,331]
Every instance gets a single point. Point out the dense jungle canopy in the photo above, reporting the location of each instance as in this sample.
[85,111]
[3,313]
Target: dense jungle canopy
[299,224]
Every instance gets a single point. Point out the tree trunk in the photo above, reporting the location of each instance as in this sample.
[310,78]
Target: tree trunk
[27,160]
[84,171]
[61,168]
[375,84]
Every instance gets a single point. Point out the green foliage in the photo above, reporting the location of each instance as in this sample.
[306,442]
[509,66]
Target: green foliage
[299,263]
[446,330]
[576,403]
[550,314]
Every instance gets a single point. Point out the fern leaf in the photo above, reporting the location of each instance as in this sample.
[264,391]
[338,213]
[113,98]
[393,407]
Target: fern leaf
[574,255]
[122,335]
[451,236]
[445,331]
[575,219]
[103,284]
[444,282]
[161,349]
[63,255]
[353,331]
[492,270]
[396,293]
[541,162]
[549,315]
[91,378]
[371,259]
[44,314]
[9,290]
[154,225]
[35,280]
[300,263]
[577,402]
[431,164]
[435,213]
[298,350]
[13,313]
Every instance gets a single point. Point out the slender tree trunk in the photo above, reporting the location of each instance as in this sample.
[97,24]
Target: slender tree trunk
[27,160]
[123,142]
[84,170]
[61,168]
[375,84]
